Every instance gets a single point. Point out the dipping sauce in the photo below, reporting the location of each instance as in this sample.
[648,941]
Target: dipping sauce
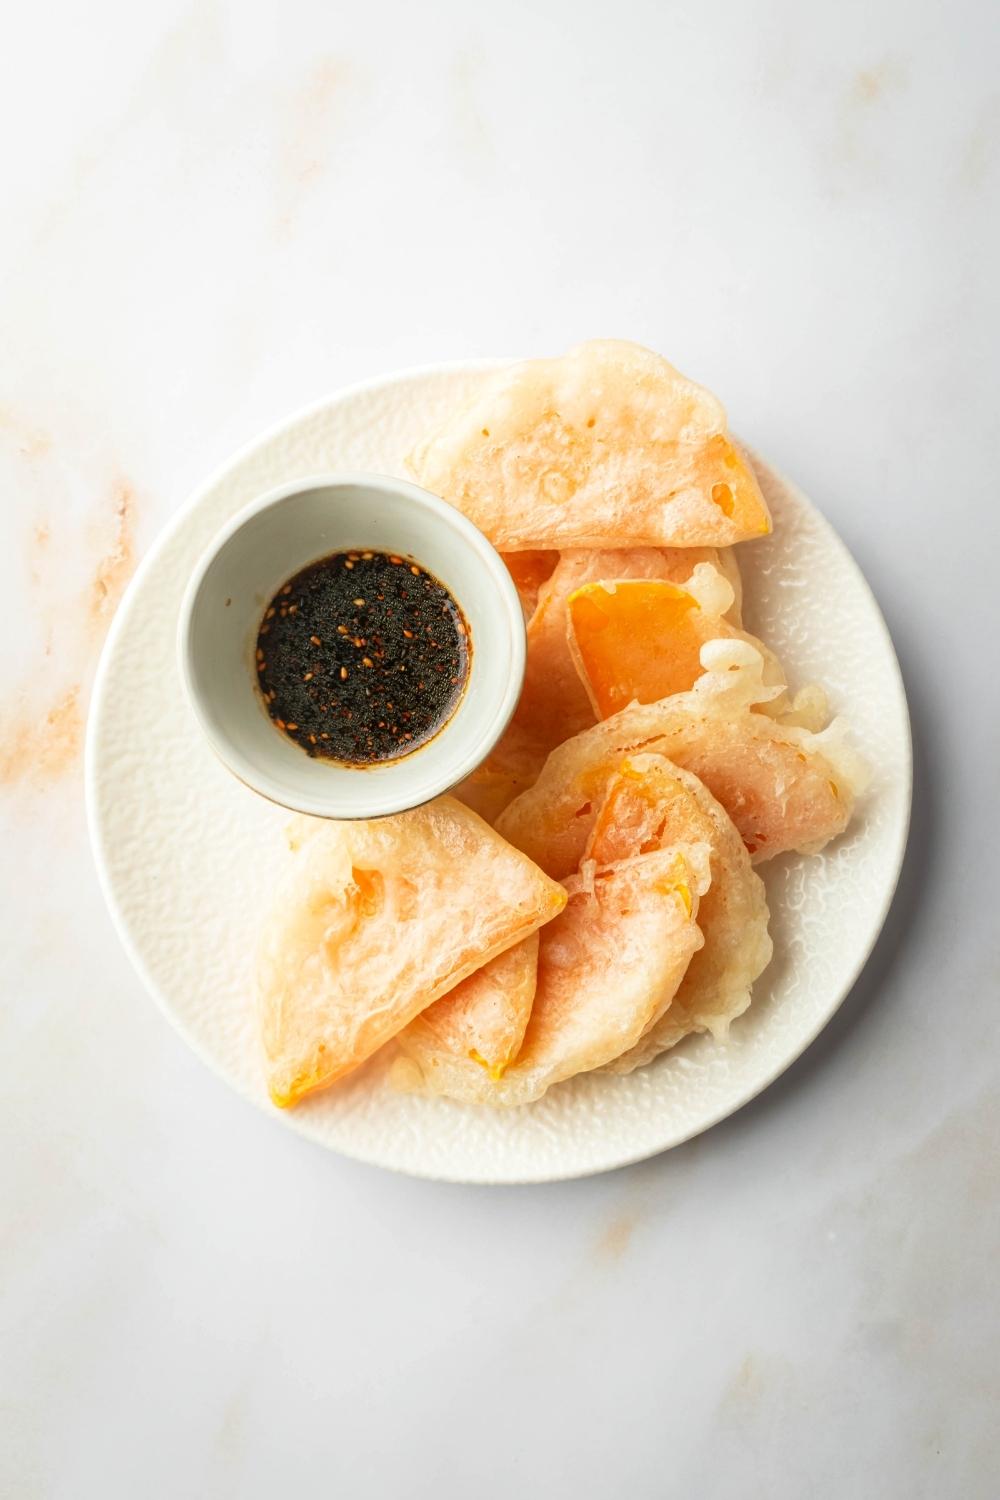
[362,657]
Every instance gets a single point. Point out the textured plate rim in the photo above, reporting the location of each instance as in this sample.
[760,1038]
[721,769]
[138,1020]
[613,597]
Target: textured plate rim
[301,1126]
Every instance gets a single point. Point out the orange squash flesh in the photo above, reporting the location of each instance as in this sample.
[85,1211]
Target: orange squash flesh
[529,571]
[637,641]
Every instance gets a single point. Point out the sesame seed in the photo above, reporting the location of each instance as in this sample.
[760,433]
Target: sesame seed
[411,648]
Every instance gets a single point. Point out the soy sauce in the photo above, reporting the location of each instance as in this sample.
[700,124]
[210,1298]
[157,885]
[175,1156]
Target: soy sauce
[362,657]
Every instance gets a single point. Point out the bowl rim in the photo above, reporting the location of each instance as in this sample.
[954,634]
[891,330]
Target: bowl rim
[389,801]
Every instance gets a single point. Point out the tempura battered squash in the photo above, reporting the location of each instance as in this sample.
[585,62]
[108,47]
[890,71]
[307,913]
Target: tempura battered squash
[637,641]
[655,753]
[511,768]
[529,571]
[608,967]
[608,446]
[481,1022]
[649,800]
[554,702]
[783,786]
[376,920]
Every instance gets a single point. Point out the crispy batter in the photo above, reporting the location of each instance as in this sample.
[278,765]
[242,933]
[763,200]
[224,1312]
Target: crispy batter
[649,800]
[608,446]
[608,966]
[529,571]
[554,702]
[480,1023]
[374,922]
[783,786]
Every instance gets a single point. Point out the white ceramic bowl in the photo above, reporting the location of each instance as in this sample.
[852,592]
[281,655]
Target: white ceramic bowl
[271,540]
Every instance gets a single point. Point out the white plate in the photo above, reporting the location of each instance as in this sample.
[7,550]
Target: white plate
[188,856]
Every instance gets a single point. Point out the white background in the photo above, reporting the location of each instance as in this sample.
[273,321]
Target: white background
[216,212]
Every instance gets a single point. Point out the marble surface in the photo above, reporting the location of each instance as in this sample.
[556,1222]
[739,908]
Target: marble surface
[215,212]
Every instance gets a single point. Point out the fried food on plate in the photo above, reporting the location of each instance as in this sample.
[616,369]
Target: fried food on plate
[510,768]
[529,571]
[480,1023]
[656,753]
[554,702]
[608,446]
[608,967]
[373,922]
[649,800]
[637,641]
[783,786]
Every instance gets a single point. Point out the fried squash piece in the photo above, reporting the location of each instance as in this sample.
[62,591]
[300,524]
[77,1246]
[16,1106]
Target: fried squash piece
[510,768]
[480,1023]
[373,922]
[605,447]
[635,641]
[529,571]
[783,786]
[649,800]
[608,967]
[554,703]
